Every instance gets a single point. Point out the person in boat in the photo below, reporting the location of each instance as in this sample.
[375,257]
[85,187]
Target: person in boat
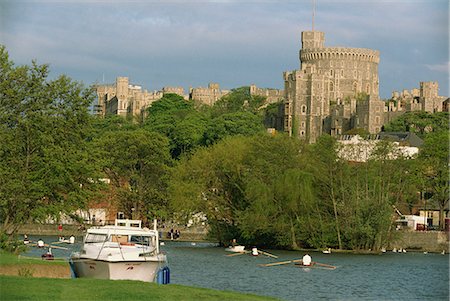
[307,260]
[255,251]
[72,239]
[48,255]
[25,239]
[233,243]
[40,243]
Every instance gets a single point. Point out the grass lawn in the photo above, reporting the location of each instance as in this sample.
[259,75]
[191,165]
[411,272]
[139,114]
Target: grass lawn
[23,288]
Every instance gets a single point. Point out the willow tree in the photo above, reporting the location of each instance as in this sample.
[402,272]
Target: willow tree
[45,163]
[433,159]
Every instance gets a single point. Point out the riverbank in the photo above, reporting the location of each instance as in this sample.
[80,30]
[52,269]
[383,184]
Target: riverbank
[411,241]
[46,280]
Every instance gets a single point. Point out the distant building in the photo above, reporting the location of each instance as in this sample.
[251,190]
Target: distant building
[123,98]
[335,90]
[207,96]
[355,148]
[271,95]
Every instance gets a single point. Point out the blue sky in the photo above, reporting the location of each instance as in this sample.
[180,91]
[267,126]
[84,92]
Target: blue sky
[233,43]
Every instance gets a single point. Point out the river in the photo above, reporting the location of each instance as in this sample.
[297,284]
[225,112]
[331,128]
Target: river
[390,276]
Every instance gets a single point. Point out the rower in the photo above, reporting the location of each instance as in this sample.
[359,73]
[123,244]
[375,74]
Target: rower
[40,243]
[255,251]
[306,261]
[72,239]
[25,239]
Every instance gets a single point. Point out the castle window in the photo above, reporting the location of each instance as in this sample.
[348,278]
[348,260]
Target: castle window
[303,109]
[303,124]
[331,86]
[302,133]
[331,72]
[342,72]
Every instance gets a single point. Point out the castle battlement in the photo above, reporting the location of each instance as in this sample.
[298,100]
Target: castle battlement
[340,53]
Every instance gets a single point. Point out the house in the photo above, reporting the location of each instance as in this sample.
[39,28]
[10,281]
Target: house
[360,149]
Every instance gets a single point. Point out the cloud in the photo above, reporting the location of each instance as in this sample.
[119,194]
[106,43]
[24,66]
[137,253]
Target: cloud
[444,67]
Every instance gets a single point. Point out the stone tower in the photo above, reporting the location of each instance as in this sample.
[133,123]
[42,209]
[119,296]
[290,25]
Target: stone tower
[323,95]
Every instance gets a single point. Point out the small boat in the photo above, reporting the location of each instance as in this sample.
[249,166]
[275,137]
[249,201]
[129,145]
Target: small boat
[327,251]
[237,249]
[48,255]
[125,251]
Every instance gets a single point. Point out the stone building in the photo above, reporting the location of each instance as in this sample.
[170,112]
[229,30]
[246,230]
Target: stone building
[271,95]
[425,98]
[335,89]
[124,99]
[207,96]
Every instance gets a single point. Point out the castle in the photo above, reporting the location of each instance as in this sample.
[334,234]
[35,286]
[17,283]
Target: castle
[334,90]
[125,99]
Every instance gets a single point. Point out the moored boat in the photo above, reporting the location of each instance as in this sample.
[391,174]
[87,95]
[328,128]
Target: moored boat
[124,251]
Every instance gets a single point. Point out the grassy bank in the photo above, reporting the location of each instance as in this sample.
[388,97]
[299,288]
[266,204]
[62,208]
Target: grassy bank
[23,288]
[27,287]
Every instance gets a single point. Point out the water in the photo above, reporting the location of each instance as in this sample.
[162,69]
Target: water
[391,276]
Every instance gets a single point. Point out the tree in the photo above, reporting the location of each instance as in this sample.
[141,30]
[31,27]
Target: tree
[434,161]
[179,121]
[232,124]
[238,100]
[45,163]
[137,162]
[419,122]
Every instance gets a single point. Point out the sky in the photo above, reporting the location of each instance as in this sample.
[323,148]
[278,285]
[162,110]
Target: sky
[233,43]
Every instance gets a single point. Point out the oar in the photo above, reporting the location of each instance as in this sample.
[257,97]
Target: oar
[267,254]
[325,265]
[280,263]
[57,247]
[57,242]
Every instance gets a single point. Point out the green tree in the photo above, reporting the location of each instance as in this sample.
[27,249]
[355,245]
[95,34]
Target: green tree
[434,161]
[45,163]
[137,162]
[238,100]
[419,122]
[179,121]
[232,124]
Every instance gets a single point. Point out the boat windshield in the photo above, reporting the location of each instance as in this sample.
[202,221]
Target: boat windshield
[95,237]
[142,240]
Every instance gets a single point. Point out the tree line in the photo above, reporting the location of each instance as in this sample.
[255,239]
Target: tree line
[185,158]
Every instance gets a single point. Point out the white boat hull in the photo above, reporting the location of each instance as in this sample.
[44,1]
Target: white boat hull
[123,270]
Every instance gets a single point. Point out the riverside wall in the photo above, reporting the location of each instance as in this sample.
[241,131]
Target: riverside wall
[421,241]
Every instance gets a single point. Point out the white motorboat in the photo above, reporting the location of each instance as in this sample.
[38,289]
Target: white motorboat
[125,251]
